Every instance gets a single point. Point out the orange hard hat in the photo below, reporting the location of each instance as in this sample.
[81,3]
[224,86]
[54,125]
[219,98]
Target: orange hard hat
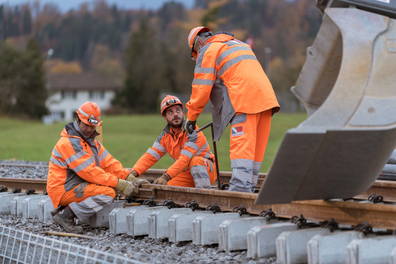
[89,114]
[192,37]
[168,101]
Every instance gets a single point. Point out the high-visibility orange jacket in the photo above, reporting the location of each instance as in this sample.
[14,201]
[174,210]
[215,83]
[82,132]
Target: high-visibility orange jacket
[75,160]
[177,144]
[228,73]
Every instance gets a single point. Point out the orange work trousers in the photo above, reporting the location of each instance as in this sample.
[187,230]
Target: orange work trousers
[201,173]
[85,190]
[248,142]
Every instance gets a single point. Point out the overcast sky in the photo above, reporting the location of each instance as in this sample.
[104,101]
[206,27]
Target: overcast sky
[66,5]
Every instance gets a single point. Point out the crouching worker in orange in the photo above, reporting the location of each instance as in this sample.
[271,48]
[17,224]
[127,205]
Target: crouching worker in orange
[83,176]
[194,163]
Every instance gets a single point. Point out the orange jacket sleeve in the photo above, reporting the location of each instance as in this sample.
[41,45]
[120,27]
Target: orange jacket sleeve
[152,155]
[112,165]
[204,78]
[84,165]
[190,149]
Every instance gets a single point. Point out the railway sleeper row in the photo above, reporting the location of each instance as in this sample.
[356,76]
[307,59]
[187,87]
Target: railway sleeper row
[292,240]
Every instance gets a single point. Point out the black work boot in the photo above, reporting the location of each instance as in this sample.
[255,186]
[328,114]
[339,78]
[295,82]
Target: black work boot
[65,219]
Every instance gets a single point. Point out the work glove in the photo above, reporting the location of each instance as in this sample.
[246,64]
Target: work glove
[189,126]
[163,180]
[127,188]
[192,137]
[132,175]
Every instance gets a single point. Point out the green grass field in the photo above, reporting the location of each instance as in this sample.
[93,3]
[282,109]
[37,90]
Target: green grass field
[125,137]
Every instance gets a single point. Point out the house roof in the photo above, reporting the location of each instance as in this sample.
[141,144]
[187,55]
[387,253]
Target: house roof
[88,81]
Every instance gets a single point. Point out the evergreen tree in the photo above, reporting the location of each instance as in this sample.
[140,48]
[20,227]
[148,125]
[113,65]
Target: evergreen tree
[10,64]
[32,92]
[22,81]
[143,71]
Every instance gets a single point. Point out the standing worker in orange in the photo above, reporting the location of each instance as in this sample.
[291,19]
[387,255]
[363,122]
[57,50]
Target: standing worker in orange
[82,174]
[228,73]
[194,163]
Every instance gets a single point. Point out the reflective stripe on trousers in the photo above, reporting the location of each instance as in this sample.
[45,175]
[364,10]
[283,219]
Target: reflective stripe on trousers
[248,141]
[242,175]
[256,171]
[195,175]
[86,199]
[90,206]
[200,176]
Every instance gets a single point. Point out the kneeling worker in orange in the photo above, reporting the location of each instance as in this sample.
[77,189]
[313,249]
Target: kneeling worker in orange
[194,163]
[83,175]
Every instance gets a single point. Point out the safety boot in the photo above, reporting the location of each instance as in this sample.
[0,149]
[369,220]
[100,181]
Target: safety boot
[65,219]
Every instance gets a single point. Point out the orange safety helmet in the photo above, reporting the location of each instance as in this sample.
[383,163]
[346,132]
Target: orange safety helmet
[89,114]
[192,37]
[168,101]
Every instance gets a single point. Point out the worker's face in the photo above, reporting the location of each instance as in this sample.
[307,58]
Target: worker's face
[174,116]
[86,130]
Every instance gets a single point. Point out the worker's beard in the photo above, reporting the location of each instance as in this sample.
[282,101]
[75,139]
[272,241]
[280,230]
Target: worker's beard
[176,123]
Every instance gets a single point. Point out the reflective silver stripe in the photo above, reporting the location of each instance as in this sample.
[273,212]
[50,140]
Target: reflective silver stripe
[186,153]
[76,144]
[242,163]
[82,112]
[202,82]
[230,51]
[200,176]
[203,148]
[256,166]
[201,55]
[204,70]
[103,155]
[192,145]
[75,157]
[234,42]
[242,175]
[153,153]
[235,60]
[159,147]
[90,206]
[256,170]
[58,162]
[79,191]
[238,118]
[56,153]
[84,165]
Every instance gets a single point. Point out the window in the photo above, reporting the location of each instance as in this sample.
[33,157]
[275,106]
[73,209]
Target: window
[68,94]
[96,95]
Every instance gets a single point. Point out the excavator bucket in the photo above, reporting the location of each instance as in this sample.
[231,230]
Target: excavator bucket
[348,87]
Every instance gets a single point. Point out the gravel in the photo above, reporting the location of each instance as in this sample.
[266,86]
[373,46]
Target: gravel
[143,249]
[33,169]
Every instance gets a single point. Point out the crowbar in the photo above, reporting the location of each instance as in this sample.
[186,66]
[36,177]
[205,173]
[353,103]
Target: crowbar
[214,150]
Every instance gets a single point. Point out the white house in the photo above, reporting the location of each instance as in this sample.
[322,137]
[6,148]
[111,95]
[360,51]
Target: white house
[68,91]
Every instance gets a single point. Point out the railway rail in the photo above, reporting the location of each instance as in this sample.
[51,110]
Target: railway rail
[376,207]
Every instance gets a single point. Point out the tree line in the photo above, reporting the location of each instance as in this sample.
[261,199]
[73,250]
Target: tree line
[146,50]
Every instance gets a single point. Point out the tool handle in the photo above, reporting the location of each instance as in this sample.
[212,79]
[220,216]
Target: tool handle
[205,127]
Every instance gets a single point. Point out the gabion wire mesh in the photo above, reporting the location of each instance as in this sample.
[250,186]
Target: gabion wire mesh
[18,246]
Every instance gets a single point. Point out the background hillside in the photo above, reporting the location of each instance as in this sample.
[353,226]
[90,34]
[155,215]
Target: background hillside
[145,50]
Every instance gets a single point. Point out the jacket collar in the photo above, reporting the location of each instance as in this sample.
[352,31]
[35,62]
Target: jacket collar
[73,130]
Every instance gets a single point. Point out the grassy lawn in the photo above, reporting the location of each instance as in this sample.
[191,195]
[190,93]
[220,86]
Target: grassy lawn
[125,137]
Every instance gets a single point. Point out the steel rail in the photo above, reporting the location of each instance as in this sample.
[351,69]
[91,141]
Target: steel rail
[150,174]
[352,212]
